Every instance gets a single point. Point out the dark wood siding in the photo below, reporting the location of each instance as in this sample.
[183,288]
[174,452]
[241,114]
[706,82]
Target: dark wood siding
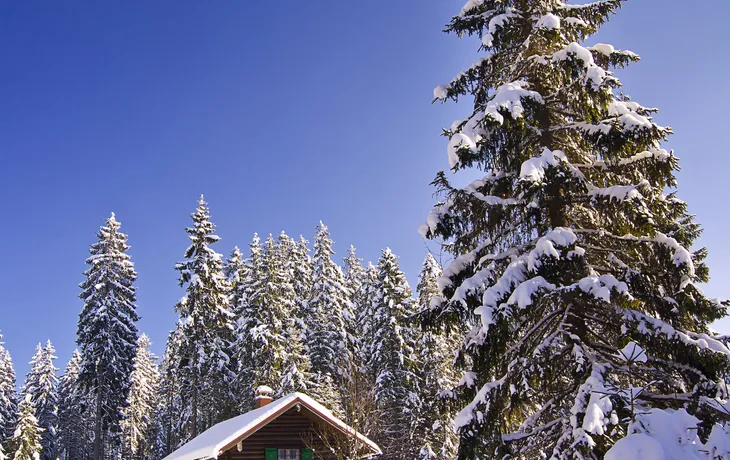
[291,430]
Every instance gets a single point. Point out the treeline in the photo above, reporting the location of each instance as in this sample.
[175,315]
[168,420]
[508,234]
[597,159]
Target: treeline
[286,315]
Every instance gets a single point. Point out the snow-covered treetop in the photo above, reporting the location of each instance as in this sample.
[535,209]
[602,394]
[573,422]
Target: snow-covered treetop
[201,235]
[206,301]
[110,267]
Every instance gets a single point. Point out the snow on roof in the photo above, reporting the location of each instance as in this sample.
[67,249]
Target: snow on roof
[210,443]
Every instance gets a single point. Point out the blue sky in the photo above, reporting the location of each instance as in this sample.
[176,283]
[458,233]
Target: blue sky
[282,114]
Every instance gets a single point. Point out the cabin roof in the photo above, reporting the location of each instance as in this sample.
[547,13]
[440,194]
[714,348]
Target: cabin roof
[220,437]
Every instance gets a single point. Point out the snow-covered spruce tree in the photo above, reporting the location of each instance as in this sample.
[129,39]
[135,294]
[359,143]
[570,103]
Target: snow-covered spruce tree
[392,359]
[138,423]
[327,340]
[355,276]
[208,326]
[326,392]
[435,349]
[107,333]
[296,367]
[247,319]
[261,330]
[568,247]
[296,373]
[27,436]
[41,384]
[302,276]
[364,319]
[74,439]
[354,273]
[8,398]
[235,271]
[295,256]
[170,417]
[289,257]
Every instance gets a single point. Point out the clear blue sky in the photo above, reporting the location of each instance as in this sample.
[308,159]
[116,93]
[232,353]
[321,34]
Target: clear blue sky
[282,113]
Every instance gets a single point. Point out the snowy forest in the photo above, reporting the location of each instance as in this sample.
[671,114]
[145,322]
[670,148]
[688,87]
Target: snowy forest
[287,315]
[567,323]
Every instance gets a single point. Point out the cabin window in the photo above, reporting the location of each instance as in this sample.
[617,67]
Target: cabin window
[288,454]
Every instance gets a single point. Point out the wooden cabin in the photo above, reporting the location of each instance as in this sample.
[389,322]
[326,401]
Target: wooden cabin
[295,427]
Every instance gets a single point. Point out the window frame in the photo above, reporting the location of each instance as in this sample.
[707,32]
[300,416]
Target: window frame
[287,454]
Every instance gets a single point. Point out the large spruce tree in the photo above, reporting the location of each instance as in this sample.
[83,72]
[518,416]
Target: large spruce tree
[208,323]
[41,384]
[570,246]
[107,331]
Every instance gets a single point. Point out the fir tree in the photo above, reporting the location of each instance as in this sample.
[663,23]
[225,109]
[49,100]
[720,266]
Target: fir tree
[138,424]
[41,384]
[27,437]
[302,276]
[275,302]
[107,333]
[355,277]
[392,358]
[286,255]
[8,399]
[295,255]
[207,327]
[170,417]
[364,320]
[569,247]
[258,330]
[437,374]
[354,273]
[267,319]
[281,276]
[330,298]
[236,273]
[327,393]
[296,372]
[73,429]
